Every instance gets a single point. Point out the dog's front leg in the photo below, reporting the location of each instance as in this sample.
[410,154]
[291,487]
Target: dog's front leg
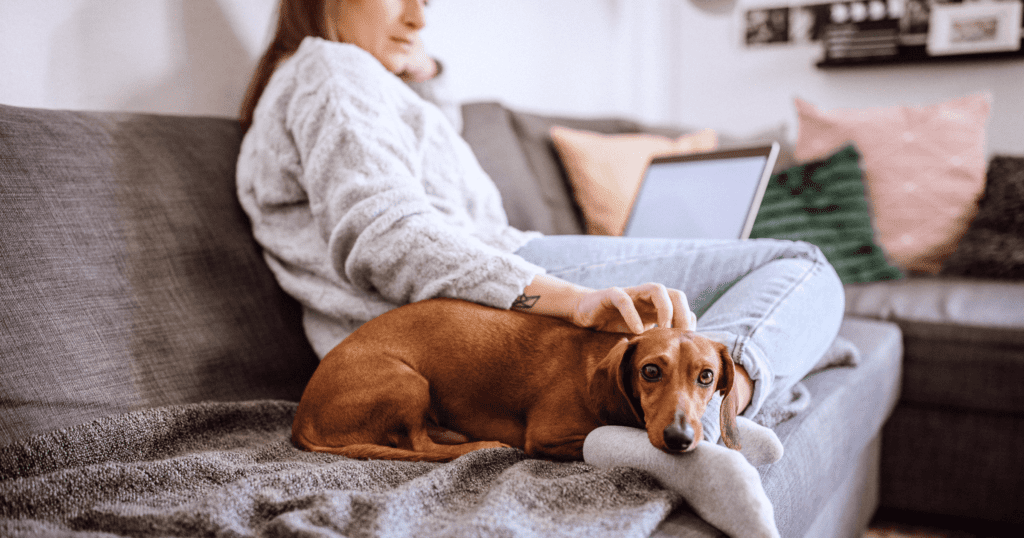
[560,439]
[565,449]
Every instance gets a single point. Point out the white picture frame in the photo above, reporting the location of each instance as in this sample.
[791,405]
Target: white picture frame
[975,27]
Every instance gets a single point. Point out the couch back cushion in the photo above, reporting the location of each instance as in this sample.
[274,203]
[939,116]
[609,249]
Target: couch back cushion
[924,169]
[515,148]
[527,197]
[128,274]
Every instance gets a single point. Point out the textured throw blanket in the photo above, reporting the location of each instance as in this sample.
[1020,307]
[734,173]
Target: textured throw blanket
[229,469]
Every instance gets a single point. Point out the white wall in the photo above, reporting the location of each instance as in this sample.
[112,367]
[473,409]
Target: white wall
[661,61]
[581,57]
[174,56]
[670,61]
[731,87]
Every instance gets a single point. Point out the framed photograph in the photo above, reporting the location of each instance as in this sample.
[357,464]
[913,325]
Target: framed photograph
[766,26]
[975,27]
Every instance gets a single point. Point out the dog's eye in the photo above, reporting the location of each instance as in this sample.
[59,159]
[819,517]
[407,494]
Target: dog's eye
[650,372]
[706,377]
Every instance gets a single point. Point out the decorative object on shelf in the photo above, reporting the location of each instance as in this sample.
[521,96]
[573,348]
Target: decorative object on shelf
[872,32]
[974,27]
[869,39]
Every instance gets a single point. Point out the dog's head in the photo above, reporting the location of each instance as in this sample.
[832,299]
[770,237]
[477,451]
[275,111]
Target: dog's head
[662,380]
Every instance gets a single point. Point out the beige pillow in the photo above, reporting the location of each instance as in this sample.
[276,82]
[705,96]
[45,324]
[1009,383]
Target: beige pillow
[605,170]
[924,169]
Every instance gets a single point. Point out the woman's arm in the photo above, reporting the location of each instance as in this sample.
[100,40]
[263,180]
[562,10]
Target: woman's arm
[404,209]
[633,309]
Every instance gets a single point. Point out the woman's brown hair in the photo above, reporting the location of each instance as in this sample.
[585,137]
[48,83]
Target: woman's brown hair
[296,20]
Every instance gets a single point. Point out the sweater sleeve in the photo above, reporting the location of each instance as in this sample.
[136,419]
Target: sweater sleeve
[362,156]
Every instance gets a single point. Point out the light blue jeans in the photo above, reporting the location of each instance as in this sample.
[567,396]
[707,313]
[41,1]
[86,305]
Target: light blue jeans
[777,305]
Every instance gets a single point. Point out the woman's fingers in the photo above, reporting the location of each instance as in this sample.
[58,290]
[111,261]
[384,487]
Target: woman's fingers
[635,309]
[682,316]
[670,305]
[624,303]
[662,302]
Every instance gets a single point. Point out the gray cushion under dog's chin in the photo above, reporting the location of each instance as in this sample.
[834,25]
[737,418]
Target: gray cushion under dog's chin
[128,273]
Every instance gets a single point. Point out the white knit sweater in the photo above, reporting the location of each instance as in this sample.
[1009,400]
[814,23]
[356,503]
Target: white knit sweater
[364,197]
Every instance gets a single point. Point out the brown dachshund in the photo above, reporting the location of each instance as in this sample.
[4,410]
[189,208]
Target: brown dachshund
[407,381]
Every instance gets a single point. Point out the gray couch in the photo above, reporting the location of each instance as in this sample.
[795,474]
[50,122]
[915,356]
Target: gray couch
[151,365]
[951,448]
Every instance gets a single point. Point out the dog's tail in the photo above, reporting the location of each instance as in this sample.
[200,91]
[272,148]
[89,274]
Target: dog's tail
[380,452]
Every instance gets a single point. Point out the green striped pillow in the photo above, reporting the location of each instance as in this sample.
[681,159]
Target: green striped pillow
[823,202]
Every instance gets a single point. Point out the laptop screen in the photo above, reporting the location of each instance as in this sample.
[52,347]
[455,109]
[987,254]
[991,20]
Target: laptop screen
[706,196]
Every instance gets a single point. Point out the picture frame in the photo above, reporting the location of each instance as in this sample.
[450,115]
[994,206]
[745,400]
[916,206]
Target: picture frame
[766,26]
[974,28]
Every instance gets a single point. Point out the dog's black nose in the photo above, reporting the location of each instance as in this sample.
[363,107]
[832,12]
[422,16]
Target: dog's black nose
[678,437]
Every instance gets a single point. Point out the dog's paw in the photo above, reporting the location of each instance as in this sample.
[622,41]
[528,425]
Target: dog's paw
[489,444]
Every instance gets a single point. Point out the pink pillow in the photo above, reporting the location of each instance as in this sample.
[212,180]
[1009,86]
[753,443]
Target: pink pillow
[605,170]
[924,169]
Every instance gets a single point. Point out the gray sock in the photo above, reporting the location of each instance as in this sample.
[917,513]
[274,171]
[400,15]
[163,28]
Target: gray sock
[760,445]
[720,484]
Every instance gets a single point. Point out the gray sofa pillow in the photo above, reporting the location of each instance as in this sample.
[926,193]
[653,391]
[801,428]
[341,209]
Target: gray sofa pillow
[128,273]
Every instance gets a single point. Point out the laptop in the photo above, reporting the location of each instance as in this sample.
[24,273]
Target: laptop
[713,195]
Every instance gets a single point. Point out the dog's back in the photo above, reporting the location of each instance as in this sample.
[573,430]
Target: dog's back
[481,370]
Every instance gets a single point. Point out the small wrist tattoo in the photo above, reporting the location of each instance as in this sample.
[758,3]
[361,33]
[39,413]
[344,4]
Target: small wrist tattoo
[525,302]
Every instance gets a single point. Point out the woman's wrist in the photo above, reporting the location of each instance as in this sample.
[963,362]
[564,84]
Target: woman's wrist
[550,296]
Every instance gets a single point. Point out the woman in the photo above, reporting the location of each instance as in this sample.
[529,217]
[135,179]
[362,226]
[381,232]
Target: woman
[364,197]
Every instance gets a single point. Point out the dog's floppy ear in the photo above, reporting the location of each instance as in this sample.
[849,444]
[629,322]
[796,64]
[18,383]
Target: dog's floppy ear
[727,417]
[611,385]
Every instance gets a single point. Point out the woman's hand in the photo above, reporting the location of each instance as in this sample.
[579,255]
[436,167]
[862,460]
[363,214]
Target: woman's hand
[634,309]
[627,310]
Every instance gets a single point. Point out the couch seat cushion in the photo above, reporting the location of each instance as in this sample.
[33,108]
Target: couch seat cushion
[848,408]
[963,338]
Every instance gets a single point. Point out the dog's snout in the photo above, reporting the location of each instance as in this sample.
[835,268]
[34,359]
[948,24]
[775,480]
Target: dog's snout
[679,436]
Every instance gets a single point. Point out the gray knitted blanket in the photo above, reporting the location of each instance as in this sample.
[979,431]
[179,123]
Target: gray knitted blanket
[229,469]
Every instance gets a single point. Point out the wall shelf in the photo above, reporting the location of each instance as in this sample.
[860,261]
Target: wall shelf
[918,55]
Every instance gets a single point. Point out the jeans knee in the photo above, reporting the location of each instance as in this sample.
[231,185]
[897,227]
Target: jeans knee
[830,287]
[827,272]
[822,276]
[809,251]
